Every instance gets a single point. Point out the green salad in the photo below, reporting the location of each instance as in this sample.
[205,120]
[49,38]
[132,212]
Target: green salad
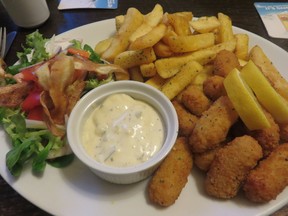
[37,95]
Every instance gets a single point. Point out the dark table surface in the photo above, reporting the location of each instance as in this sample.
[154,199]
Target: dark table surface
[243,14]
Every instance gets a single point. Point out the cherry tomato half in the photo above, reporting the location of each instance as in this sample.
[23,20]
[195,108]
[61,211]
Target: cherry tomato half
[36,113]
[31,101]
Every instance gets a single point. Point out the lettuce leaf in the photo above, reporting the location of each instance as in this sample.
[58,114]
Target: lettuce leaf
[28,144]
[33,52]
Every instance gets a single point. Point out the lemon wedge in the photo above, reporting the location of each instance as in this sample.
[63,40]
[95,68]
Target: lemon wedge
[245,102]
[273,102]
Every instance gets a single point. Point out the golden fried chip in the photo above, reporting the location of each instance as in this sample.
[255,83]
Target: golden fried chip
[189,43]
[149,39]
[205,24]
[132,58]
[225,28]
[133,19]
[182,79]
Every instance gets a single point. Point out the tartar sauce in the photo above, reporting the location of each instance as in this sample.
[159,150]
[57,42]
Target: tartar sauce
[123,132]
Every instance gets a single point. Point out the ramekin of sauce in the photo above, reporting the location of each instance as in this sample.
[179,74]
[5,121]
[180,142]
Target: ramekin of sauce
[123,130]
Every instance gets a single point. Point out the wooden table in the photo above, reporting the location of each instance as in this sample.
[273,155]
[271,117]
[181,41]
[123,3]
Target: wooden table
[243,14]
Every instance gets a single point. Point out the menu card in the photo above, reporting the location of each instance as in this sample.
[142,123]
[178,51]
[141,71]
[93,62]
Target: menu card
[275,17]
[78,4]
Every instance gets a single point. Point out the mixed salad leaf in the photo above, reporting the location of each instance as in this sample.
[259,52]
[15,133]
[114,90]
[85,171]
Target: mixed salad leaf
[34,51]
[27,143]
[33,140]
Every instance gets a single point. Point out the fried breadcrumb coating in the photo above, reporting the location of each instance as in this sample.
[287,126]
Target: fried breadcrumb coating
[213,126]
[270,178]
[268,138]
[231,165]
[172,175]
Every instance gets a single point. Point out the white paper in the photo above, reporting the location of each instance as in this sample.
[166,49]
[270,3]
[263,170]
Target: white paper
[97,4]
[275,18]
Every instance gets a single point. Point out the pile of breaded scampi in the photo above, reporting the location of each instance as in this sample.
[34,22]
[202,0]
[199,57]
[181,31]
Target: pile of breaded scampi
[232,157]
[188,60]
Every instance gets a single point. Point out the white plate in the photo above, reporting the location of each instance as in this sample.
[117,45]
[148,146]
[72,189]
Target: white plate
[76,191]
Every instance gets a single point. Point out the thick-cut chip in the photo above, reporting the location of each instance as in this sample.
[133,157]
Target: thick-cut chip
[180,22]
[148,70]
[133,19]
[168,67]
[151,20]
[242,46]
[258,56]
[143,29]
[119,20]
[169,33]
[149,39]
[189,43]
[156,81]
[132,58]
[205,24]
[103,45]
[155,16]
[225,28]
[188,15]
[162,50]
[182,79]
[227,45]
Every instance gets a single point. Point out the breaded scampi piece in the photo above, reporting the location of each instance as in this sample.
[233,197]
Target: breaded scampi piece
[283,132]
[213,87]
[186,120]
[213,126]
[195,100]
[172,175]
[269,178]
[268,138]
[231,165]
[204,160]
[224,62]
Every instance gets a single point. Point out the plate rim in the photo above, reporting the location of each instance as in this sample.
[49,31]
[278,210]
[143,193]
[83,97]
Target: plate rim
[11,182]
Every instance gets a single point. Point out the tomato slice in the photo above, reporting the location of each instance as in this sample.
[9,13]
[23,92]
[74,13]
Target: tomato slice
[36,113]
[31,101]
[29,75]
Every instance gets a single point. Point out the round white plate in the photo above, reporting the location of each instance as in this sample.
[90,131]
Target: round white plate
[76,191]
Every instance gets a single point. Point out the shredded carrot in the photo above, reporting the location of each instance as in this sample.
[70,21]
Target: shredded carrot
[75,51]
